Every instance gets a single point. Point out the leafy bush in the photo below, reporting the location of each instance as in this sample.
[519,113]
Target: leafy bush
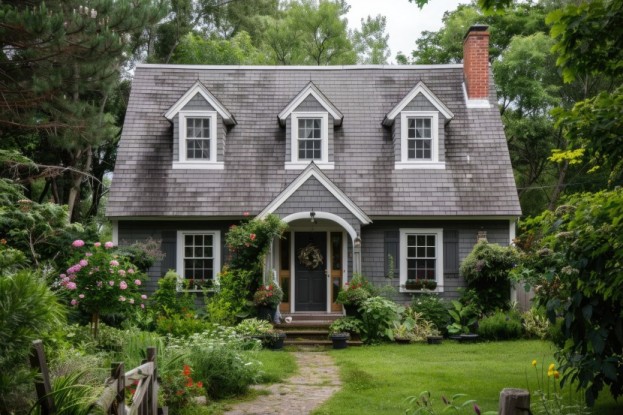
[418,327]
[349,325]
[486,269]
[231,302]
[535,324]
[166,300]
[573,260]
[356,291]
[501,326]
[378,315]
[181,325]
[28,310]
[463,319]
[253,327]
[268,296]
[433,309]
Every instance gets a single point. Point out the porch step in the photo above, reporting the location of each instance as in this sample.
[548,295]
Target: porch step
[297,333]
[328,343]
[312,316]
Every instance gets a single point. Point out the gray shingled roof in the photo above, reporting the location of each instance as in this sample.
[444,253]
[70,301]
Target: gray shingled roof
[478,179]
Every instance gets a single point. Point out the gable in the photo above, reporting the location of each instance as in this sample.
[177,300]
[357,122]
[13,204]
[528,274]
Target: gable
[313,176]
[419,90]
[198,89]
[320,98]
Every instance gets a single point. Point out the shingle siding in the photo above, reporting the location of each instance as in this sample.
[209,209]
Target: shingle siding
[478,179]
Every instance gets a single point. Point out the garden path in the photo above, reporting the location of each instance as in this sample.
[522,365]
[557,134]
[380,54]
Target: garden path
[315,382]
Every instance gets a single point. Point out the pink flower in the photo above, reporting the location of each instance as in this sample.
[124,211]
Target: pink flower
[84,263]
[81,296]
[62,276]
[99,284]
[97,244]
[88,254]
[253,236]
[142,305]
[111,283]
[121,272]
[123,285]
[71,285]
[144,297]
[131,271]
[131,301]
[245,213]
[108,245]
[77,243]
[122,298]
[137,282]
[74,302]
[114,263]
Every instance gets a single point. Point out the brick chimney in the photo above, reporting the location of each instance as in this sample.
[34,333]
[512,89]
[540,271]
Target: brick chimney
[476,62]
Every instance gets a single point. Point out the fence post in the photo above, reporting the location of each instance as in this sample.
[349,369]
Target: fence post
[153,384]
[514,402]
[42,385]
[117,372]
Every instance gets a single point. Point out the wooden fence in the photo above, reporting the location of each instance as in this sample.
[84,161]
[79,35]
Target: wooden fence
[144,400]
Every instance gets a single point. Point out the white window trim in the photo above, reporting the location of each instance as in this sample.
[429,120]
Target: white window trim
[404,162]
[403,256]
[295,163]
[184,163]
[216,252]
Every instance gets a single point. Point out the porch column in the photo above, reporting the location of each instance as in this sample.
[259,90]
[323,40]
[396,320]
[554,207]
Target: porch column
[357,255]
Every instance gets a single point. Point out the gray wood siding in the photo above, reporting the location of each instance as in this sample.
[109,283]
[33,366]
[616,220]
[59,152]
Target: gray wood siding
[379,239]
[166,231]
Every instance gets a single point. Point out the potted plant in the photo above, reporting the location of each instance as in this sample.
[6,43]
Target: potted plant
[403,331]
[342,329]
[353,294]
[434,337]
[266,300]
[463,319]
[274,339]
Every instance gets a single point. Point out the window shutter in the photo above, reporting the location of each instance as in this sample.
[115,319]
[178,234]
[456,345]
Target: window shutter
[451,253]
[392,247]
[169,241]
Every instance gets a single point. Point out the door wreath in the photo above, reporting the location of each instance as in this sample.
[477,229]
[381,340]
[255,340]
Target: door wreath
[310,256]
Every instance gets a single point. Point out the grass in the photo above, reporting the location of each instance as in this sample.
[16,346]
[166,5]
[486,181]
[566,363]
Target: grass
[377,379]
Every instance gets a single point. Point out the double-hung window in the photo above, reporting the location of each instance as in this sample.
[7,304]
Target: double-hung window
[198,258]
[197,140]
[421,255]
[309,140]
[419,140]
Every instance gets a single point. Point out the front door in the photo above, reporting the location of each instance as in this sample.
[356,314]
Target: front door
[310,264]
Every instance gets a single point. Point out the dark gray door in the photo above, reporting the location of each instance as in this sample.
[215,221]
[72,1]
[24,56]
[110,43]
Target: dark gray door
[309,271]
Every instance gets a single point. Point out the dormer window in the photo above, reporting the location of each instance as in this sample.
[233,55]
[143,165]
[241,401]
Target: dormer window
[307,119]
[199,121]
[197,137]
[419,136]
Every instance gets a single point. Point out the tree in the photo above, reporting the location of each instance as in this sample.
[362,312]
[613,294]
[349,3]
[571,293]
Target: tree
[60,62]
[311,33]
[371,42]
[239,50]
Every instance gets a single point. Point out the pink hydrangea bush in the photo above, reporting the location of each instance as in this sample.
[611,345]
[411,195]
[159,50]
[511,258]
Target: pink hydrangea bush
[97,281]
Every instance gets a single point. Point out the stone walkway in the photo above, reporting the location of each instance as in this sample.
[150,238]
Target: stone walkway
[316,381]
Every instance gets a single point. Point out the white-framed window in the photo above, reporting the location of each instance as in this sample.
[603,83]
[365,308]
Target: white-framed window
[198,140]
[421,257]
[419,140]
[309,140]
[198,258]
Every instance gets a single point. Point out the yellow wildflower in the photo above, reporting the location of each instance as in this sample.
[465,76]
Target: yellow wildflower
[551,367]
[550,373]
[534,363]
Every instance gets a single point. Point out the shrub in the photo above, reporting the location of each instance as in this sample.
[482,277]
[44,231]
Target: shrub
[253,327]
[486,269]
[433,309]
[349,325]
[356,291]
[463,319]
[231,303]
[166,300]
[378,315]
[535,324]
[268,296]
[419,328]
[181,325]
[501,325]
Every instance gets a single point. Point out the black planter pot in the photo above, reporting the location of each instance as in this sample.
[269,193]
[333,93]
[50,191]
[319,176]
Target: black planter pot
[434,339]
[266,313]
[272,341]
[352,310]
[340,340]
[402,340]
[468,338]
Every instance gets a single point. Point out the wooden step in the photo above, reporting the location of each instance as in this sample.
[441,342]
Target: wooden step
[327,342]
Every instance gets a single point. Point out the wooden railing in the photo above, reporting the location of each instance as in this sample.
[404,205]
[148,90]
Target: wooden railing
[144,400]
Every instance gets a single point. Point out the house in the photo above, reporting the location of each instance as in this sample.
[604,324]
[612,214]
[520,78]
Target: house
[380,169]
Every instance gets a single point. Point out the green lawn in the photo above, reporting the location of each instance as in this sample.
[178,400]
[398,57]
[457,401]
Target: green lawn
[377,379]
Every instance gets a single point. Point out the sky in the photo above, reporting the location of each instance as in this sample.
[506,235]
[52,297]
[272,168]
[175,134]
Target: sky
[405,21]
